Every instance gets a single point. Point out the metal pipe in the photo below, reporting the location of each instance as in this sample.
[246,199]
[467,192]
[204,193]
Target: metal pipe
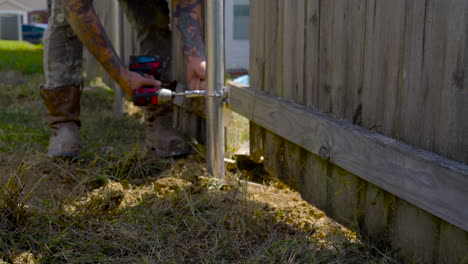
[118,46]
[215,83]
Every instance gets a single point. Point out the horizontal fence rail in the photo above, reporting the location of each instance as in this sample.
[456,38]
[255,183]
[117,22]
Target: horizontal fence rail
[430,181]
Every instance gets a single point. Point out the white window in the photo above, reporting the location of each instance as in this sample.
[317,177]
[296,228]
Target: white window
[241,22]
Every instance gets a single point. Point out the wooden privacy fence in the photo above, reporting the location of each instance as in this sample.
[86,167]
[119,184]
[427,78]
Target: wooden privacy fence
[362,105]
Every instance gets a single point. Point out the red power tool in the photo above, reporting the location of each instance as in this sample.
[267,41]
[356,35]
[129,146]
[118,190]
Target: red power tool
[149,95]
[143,96]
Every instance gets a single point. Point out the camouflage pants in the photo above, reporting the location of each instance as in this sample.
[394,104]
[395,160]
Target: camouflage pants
[63,51]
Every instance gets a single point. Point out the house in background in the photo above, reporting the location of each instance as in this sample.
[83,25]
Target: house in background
[15,13]
[236,36]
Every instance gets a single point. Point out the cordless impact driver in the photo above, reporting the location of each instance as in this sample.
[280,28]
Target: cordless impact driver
[149,95]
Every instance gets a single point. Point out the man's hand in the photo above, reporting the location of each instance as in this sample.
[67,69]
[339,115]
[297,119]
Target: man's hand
[133,80]
[196,73]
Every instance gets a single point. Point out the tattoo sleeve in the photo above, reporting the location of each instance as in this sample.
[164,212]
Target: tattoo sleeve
[82,18]
[189,22]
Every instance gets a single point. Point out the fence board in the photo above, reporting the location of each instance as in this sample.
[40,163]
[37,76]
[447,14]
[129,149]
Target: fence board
[342,35]
[293,167]
[326,19]
[293,54]
[279,51]
[444,116]
[312,42]
[273,148]
[431,182]
[257,47]
[330,78]
[343,194]
[257,136]
[453,245]
[408,238]
[315,188]
[271,47]
[377,213]
[384,44]
[413,93]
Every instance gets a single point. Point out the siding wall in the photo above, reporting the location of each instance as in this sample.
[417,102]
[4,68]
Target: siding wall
[237,55]
[10,27]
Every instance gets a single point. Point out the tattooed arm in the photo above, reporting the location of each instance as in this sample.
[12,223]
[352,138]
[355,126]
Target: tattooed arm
[189,22]
[87,26]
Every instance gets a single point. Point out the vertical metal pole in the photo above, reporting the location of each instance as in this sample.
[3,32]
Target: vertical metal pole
[20,28]
[118,94]
[215,82]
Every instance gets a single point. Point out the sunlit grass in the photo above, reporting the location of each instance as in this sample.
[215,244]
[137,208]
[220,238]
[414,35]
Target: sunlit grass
[18,45]
[20,56]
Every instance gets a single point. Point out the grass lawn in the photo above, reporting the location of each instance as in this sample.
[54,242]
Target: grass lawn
[116,204]
[20,56]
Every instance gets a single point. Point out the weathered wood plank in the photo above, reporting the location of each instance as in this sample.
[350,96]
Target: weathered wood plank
[299,52]
[289,41]
[355,33]
[311,45]
[383,66]
[178,61]
[453,244]
[293,166]
[257,135]
[342,46]
[278,90]
[414,230]
[343,195]
[324,93]
[445,122]
[257,69]
[412,95]
[274,153]
[378,209]
[257,46]
[190,124]
[271,45]
[293,54]
[429,181]
[315,180]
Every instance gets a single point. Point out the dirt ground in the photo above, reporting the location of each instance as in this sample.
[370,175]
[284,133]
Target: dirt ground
[117,204]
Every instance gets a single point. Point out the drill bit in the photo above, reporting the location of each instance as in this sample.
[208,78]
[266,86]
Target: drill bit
[191,94]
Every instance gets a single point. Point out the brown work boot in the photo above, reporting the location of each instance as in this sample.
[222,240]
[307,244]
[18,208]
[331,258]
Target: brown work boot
[161,138]
[63,104]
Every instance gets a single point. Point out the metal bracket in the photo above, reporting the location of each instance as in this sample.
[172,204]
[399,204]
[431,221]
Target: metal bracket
[226,95]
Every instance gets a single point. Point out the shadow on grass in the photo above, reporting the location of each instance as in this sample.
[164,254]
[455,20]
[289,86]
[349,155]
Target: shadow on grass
[177,216]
